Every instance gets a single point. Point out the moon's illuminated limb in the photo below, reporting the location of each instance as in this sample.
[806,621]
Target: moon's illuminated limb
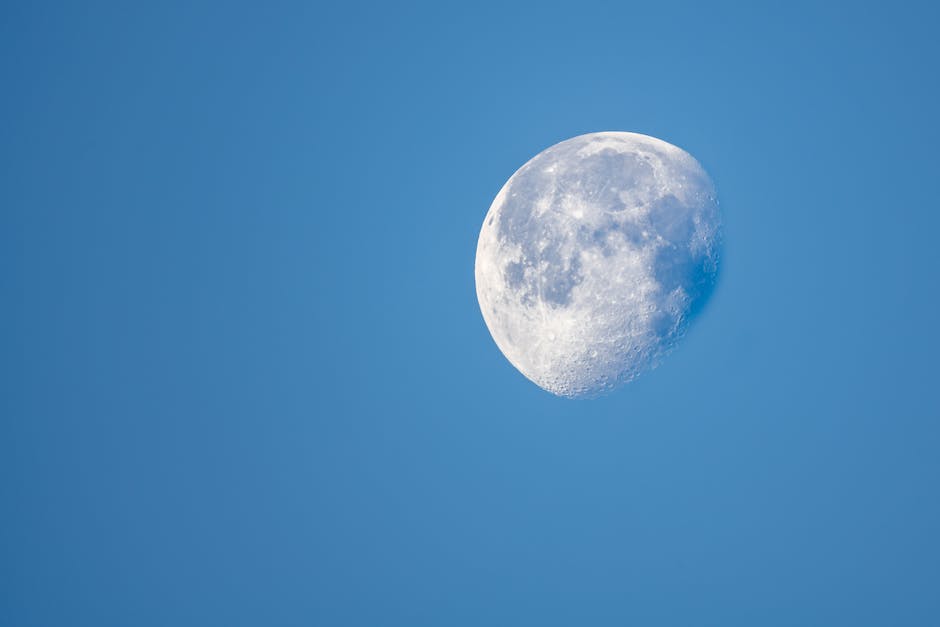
[592,257]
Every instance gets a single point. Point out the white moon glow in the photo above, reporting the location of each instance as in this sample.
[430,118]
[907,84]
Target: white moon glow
[594,256]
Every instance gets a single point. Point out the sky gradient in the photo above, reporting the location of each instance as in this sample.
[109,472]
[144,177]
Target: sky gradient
[245,376]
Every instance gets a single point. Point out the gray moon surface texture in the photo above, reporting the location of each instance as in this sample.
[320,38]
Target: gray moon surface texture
[594,257]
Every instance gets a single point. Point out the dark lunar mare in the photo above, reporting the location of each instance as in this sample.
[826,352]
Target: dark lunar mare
[598,179]
[518,226]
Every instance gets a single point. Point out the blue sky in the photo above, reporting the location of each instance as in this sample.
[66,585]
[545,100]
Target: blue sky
[246,380]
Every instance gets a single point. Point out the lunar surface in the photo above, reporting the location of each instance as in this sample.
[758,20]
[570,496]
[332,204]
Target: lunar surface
[594,257]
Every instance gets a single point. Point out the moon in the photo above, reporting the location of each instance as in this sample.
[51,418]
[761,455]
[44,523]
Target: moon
[594,257]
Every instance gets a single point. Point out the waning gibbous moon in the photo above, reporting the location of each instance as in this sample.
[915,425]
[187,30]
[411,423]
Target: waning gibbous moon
[593,258]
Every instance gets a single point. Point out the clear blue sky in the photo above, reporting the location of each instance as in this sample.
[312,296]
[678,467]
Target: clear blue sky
[245,380]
